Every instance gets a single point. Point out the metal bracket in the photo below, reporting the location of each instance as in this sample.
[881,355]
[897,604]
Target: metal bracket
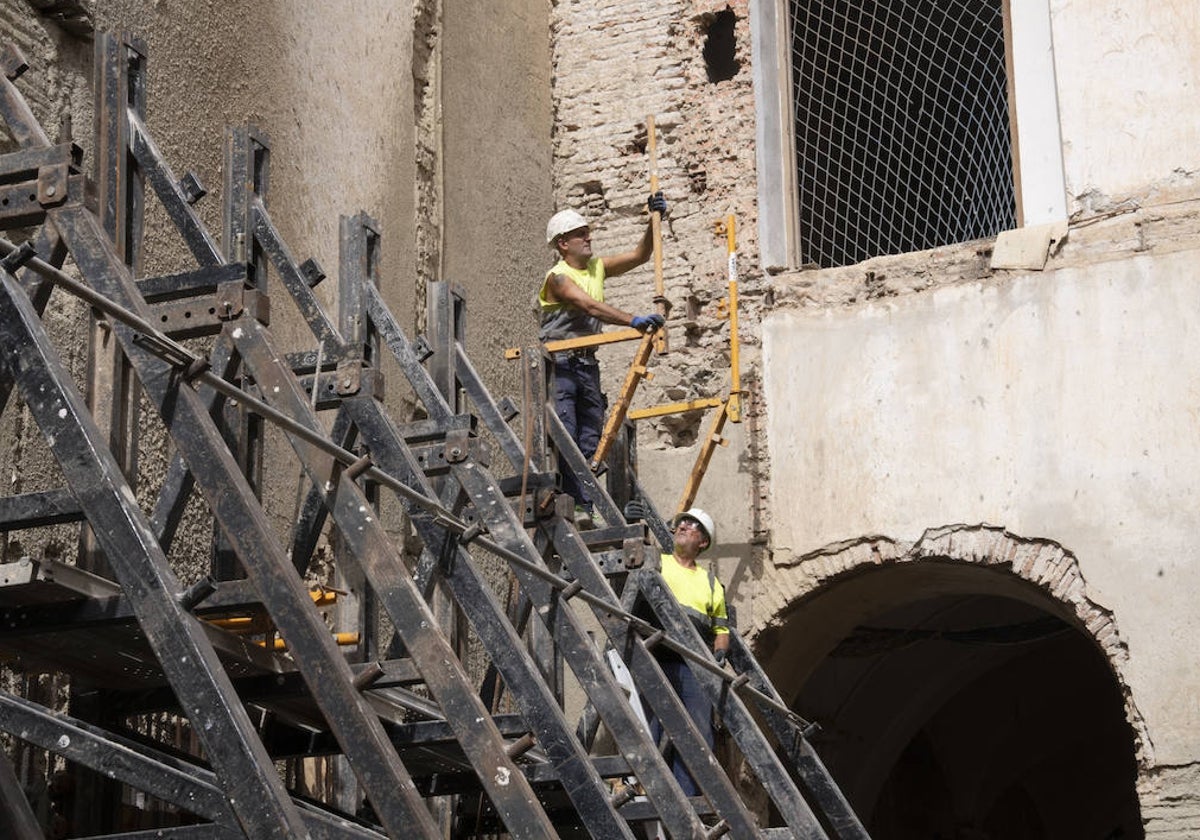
[349,377]
[458,447]
[52,185]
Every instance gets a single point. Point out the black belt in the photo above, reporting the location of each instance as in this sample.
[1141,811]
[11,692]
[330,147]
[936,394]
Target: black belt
[578,353]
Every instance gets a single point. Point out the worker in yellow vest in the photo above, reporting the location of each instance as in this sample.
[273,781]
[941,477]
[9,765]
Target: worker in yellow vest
[571,305]
[703,598]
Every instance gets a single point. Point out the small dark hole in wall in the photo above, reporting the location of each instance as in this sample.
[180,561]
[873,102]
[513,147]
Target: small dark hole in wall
[720,47]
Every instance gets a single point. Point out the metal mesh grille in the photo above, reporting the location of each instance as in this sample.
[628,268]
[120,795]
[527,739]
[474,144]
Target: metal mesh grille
[902,132]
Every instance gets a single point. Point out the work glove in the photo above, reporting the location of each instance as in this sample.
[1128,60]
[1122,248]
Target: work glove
[647,323]
[656,203]
[720,656]
[634,510]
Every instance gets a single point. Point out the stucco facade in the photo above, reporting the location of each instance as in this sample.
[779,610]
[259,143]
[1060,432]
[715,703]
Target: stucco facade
[931,398]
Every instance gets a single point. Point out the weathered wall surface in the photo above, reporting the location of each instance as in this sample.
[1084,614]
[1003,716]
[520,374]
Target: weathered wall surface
[615,63]
[496,108]
[1052,404]
[923,390]
[407,111]
[1127,92]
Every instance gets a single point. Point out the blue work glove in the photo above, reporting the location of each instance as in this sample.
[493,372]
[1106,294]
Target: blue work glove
[634,510]
[656,203]
[647,323]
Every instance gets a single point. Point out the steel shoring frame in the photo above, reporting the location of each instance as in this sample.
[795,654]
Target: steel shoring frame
[472,723]
[653,686]
[814,776]
[501,641]
[347,458]
[259,799]
[771,772]
[244,524]
[161,345]
[360,529]
[193,788]
[577,647]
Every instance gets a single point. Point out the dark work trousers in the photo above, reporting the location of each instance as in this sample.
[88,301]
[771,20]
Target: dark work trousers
[698,707]
[580,404]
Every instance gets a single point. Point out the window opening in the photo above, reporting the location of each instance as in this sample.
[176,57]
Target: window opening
[720,47]
[901,125]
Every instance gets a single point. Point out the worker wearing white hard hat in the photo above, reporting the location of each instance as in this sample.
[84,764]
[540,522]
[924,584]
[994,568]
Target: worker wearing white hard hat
[703,599]
[571,305]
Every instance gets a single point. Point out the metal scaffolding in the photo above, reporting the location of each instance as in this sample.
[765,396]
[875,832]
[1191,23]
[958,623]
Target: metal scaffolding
[245,655]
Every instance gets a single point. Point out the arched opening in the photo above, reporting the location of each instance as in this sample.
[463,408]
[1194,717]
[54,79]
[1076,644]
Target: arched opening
[959,702]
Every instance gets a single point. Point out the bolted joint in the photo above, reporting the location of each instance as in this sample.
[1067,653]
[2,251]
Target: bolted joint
[349,377]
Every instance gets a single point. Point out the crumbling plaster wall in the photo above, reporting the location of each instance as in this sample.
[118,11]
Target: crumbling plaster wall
[1049,403]
[1125,85]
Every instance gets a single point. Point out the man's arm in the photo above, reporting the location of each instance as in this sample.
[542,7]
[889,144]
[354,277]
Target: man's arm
[564,290]
[621,263]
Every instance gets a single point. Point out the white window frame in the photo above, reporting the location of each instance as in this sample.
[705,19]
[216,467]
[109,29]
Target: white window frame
[1038,175]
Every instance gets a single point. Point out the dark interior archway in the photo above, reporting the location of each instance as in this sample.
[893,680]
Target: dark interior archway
[959,703]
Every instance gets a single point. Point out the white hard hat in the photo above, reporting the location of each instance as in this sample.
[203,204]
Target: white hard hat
[564,221]
[705,521]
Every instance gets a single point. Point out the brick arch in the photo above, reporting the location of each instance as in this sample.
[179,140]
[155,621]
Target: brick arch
[982,558]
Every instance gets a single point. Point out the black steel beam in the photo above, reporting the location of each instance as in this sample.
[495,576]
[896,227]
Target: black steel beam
[245,525]
[276,250]
[772,774]
[127,540]
[384,568]
[462,577]
[170,194]
[33,510]
[200,281]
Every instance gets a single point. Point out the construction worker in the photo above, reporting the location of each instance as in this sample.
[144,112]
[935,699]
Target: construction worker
[571,305]
[703,598]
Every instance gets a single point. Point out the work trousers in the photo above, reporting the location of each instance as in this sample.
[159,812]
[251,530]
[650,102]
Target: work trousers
[698,708]
[580,404]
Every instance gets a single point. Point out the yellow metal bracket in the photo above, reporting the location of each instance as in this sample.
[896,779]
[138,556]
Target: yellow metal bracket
[586,341]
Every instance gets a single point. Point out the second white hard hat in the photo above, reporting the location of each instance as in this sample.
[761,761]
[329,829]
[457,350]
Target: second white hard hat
[705,521]
[564,221]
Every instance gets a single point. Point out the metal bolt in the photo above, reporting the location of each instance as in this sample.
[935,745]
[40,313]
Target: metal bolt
[51,190]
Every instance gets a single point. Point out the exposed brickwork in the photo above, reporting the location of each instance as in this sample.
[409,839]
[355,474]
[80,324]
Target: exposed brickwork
[615,63]
[1170,799]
